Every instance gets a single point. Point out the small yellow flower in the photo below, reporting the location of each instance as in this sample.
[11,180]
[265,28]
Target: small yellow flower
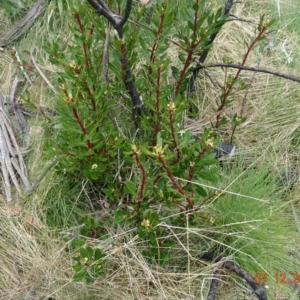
[73,65]
[171,107]
[267,23]
[219,192]
[62,86]
[210,142]
[159,151]
[192,163]
[146,223]
[94,166]
[135,149]
[70,98]
[67,97]
[83,260]
[161,193]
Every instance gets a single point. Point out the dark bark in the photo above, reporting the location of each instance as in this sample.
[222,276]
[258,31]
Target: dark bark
[213,286]
[118,24]
[258,289]
[251,69]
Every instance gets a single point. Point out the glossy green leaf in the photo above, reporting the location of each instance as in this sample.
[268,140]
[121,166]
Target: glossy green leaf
[80,275]
[131,188]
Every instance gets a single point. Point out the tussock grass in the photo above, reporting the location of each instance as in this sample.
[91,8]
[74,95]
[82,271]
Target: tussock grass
[35,262]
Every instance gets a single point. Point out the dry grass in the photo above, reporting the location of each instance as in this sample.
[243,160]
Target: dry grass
[34,262]
[37,266]
[272,103]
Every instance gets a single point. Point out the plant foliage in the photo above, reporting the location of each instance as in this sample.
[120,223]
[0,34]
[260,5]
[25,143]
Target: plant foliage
[148,167]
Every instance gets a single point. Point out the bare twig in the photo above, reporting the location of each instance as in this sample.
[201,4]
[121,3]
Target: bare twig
[24,24]
[17,58]
[9,164]
[16,90]
[252,69]
[258,289]
[134,22]
[13,168]
[236,18]
[42,74]
[213,286]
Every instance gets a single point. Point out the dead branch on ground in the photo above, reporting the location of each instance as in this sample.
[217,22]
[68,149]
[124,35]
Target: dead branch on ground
[225,263]
[23,25]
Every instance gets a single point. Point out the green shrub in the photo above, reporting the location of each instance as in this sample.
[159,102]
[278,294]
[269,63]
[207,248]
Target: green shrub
[147,162]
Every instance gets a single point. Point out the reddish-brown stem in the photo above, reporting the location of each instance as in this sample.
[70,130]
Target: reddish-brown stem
[159,241]
[175,184]
[143,183]
[232,133]
[91,29]
[190,54]
[207,199]
[87,63]
[75,113]
[89,144]
[202,152]
[264,28]
[183,71]
[108,149]
[191,169]
[229,88]
[154,47]
[28,67]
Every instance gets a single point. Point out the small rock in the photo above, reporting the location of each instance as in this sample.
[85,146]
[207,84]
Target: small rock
[226,150]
